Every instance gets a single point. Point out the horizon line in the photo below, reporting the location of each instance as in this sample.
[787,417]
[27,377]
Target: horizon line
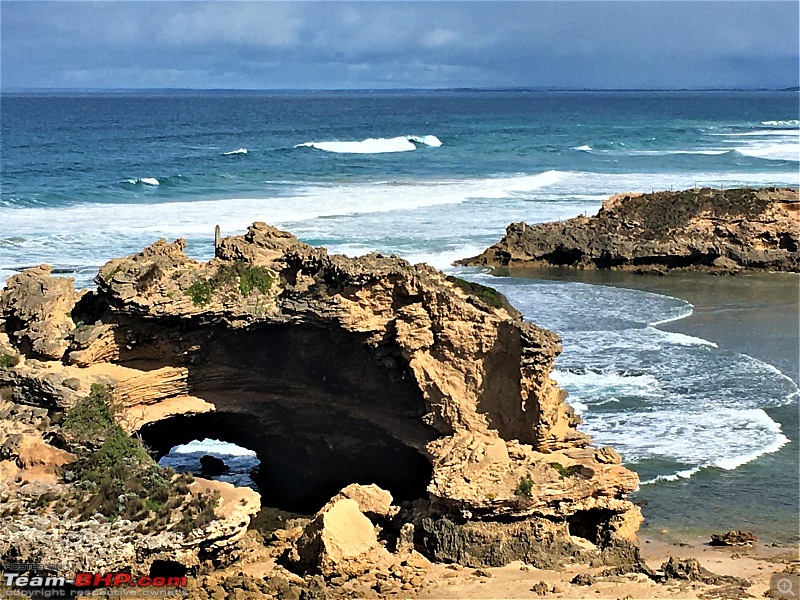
[24,90]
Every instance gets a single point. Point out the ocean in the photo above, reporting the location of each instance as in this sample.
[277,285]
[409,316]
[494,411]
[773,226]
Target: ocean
[435,176]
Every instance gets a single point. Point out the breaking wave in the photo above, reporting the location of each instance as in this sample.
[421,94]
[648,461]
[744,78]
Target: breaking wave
[237,151]
[144,181]
[375,145]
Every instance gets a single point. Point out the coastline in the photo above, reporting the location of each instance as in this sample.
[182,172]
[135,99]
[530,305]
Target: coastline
[754,314]
[756,565]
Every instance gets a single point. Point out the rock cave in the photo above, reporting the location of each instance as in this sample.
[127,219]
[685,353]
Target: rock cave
[336,372]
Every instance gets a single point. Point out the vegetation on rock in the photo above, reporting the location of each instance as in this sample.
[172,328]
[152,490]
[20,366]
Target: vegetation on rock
[116,477]
[485,293]
[525,487]
[248,278]
[565,471]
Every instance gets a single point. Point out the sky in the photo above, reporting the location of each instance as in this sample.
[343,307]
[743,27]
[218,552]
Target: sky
[384,44]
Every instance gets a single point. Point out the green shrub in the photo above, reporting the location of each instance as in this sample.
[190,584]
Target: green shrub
[200,292]
[7,361]
[485,293]
[107,277]
[249,278]
[525,487]
[92,416]
[114,475]
[255,277]
[565,471]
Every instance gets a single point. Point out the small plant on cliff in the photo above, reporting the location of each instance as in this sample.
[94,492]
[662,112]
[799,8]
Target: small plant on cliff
[7,361]
[488,295]
[255,277]
[91,417]
[525,487]
[566,471]
[111,273]
[227,275]
[115,476]
[200,292]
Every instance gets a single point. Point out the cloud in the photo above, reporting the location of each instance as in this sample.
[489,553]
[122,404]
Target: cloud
[404,44]
[440,37]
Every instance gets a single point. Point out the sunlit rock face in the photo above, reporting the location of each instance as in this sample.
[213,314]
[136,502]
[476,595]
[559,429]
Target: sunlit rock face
[719,231]
[335,371]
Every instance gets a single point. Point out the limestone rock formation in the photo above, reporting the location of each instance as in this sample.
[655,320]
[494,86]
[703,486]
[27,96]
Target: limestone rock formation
[704,229]
[38,312]
[336,370]
[339,541]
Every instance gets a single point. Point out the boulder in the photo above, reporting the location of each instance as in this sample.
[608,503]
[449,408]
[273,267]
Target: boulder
[339,542]
[733,538]
[373,501]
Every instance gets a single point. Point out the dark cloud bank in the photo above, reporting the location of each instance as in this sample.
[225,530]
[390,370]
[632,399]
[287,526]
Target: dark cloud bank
[272,45]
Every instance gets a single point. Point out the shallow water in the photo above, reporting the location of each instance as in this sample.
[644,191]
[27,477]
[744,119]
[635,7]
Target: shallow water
[735,395]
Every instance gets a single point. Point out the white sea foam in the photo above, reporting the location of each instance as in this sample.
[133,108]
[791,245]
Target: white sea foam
[678,314]
[770,144]
[584,148]
[787,123]
[686,340]
[428,140]
[761,133]
[210,446]
[725,438]
[708,152]
[237,151]
[785,151]
[607,381]
[375,145]
[144,180]
[685,474]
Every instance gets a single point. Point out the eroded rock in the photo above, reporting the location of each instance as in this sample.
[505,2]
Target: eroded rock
[339,541]
[336,370]
[722,231]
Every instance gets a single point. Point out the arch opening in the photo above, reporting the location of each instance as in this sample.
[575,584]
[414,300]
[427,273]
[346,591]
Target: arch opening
[304,461]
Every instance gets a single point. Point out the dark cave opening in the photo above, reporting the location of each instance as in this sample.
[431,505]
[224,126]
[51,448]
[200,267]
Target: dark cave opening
[303,462]
[321,407]
[591,524]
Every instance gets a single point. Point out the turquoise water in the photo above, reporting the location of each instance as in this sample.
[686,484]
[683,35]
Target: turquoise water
[435,176]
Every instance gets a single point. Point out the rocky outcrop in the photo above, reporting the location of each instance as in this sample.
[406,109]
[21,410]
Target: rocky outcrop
[335,371]
[339,541]
[702,229]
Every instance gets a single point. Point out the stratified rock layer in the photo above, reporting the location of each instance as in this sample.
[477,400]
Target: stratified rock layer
[334,371]
[703,229]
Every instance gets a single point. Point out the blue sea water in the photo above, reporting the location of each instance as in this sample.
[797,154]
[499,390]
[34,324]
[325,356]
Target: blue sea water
[431,176]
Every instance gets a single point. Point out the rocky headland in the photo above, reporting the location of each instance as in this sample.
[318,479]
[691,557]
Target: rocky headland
[721,231]
[409,415]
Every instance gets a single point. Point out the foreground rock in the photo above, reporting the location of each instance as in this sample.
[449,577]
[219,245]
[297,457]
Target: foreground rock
[733,538]
[334,371]
[702,229]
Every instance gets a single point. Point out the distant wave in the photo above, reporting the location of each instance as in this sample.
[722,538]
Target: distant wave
[210,446]
[144,180]
[789,123]
[237,151]
[584,148]
[769,144]
[788,151]
[375,145]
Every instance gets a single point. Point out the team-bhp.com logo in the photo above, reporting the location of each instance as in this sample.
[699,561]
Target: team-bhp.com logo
[19,584]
